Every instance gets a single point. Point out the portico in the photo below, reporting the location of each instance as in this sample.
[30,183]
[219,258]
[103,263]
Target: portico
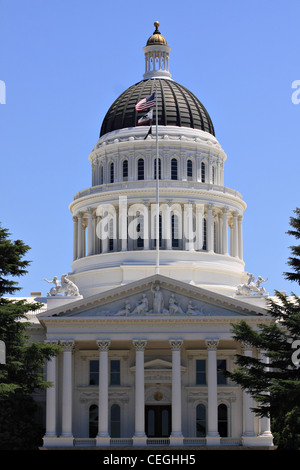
[126,375]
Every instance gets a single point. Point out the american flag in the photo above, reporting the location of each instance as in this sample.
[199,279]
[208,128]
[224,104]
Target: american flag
[146,103]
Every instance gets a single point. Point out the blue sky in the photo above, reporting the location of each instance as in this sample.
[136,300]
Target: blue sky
[65,62]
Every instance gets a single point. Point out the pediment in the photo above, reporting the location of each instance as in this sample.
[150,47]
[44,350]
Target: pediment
[155,296]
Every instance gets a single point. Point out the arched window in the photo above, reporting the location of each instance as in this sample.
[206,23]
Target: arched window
[93,421]
[189,169]
[223,420]
[159,169]
[112,173]
[141,169]
[125,170]
[115,421]
[203,172]
[200,421]
[174,169]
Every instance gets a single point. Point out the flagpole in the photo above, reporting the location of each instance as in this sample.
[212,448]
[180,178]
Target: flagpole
[157,186]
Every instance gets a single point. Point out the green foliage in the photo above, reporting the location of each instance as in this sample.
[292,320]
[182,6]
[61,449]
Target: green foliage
[294,261]
[22,375]
[275,388]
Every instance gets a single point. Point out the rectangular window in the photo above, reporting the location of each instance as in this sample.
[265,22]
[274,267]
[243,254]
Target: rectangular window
[94,372]
[115,372]
[200,372]
[221,367]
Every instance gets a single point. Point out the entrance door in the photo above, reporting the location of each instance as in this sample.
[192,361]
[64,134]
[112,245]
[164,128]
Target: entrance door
[158,420]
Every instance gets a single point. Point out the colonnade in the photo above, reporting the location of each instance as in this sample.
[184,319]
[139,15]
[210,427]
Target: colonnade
[113,169]
[191,226]
[139,437]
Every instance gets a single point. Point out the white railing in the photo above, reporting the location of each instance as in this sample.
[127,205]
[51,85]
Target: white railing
[125,441]
[194,441]
[157,441]
[84,442]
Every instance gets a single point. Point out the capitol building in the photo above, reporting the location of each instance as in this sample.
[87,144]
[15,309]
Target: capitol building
[144,317]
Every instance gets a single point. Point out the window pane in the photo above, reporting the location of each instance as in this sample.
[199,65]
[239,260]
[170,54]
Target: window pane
[221,367]
[112,173]
[125,170]
[140,169]
[115,372]
[189,169]
[174,169]
[94,372]
[200,372]
[203,172]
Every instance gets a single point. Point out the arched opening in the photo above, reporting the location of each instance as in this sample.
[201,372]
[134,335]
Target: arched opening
[141,172]
[112,173]
[200,421]
[203,172]
[174,169]
[93,421]
[115,421]
[125,170]
[223,420]
[189,170]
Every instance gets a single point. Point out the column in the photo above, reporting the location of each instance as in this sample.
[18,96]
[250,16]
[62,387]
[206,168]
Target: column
[123,222]
[212,437]
[103,438]
[139,438]
[176,437]
[240,237]
[146,226]
[199,226]
[167,223]
[90,232]
[265,435]
[67,435]
[225,232]
[235,236]
[210,229]
[75,236]
[248,415]
[79,237]
[51,400]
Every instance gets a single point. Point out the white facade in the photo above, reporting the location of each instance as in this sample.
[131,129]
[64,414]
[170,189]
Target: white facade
[145,343]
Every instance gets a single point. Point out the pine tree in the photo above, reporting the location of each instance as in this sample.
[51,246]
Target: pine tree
[275,388]
[22,374]
[294,261]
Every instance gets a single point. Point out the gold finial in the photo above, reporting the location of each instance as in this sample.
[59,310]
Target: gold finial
[156,24]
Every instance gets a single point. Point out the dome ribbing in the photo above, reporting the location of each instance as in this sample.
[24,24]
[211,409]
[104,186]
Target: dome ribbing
[177,106]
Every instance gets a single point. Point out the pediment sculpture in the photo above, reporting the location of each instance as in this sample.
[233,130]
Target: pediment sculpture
[64,286]
[158,305]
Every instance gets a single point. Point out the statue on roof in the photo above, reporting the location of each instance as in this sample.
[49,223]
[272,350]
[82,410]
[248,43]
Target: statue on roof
[252,287]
